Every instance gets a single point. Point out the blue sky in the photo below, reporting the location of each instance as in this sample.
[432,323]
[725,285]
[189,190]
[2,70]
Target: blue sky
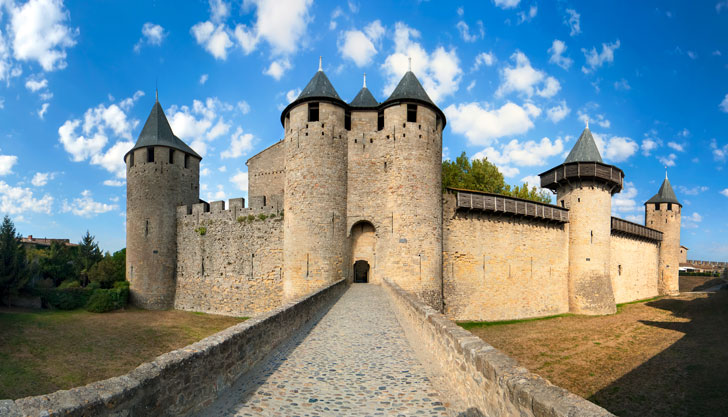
[517,81]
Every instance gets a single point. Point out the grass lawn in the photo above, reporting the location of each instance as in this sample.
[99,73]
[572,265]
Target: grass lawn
[45,351]
[664,357]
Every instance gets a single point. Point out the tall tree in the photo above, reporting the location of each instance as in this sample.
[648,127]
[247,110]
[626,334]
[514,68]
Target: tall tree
[482,175]
[13,265]
[88,255]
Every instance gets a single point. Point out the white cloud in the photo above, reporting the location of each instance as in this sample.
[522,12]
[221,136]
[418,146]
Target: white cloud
[204,172]
[219,195]
[203,78]
[524,79]
[596,59]
[558,112]
[291,95]
[200,124]
[725,192]
[439,71]
[676,146]
[668,161]
[599,119]
[622,84]
[464,30]
[278,67]
[573,20]
[38,33]
[280,23]
[98,124]
[222,168]
[615,148]
[692,191]
[482,125]
[624,201]
[7,162]
[527,17]
[724,104]
[35,85]
[510,156]
[214,38]
[691,221]
[85,206]
[692,55]
[19,200]
[506,4]
[471,86]
[41,178]
[114,183]
[219,10]
[484,58]
[557,50]
[532,181]
[361,46]
[338,12]
[649,145]
[240,144]
[152,34]
[240,179]
[43,109]
[719,153]
[243,106]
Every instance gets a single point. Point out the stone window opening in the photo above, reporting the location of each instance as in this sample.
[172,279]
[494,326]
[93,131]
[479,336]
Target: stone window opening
[313,112]
[264,200]
[371,140]
[619,268]
[578,199]
[187,160]
[171,156]
[385,166]
[131,159]
[347,119]
[380,120]
[669,206]
[412,113]
[592,236]
[657,206]
[150,154]
[146,228]
[562,203]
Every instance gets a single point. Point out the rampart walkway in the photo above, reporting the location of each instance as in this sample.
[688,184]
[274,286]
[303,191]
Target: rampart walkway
[355,361]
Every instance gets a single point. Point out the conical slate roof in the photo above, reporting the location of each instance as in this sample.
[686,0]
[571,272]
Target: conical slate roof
[318,87]
[157,132]
[364,99]
[665,195]
[585,149]
[409,87]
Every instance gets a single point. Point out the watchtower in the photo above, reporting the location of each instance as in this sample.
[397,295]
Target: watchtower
[162,172]
[315,252]
[663,212]
[585,185]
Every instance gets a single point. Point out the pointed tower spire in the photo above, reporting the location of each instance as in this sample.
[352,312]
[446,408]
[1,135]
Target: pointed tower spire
[410,63]
[665,194]
[321,68]
[585,149]
[365,80]
[158,132]
[587,123]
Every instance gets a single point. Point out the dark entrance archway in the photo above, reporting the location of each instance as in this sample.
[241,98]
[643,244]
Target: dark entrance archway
[361,271]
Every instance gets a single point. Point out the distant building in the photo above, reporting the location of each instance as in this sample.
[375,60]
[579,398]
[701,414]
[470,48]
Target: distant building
[34,242]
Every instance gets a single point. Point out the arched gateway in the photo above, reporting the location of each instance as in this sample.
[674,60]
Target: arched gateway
[363,238]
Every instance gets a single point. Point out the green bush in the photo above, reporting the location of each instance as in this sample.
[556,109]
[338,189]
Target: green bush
[251,217]
[262,217]
[201,230]
[241,219]
[103,300]
[70,283]
[64,298]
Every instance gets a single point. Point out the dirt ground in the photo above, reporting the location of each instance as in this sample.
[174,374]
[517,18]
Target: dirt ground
[666,357]
[42,352]
[688,283]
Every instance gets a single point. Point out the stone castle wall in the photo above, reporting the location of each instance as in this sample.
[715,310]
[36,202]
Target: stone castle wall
[266,174]
[498,267]
[667,220]
[634,268]
[228,262]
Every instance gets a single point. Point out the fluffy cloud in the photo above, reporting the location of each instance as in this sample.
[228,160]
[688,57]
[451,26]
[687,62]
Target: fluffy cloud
[595,60]
[114,183]
[85,206]
[439,71]
[692,191]
[527,17]
[19,200]
[725,192]
[557,50]
[510,156]
[482,125]
[464,30]
[360,46]
[214,38]
[668,161]
[271,17]
[240,179]
[624,201]
[506,4]
[36,85]
[622,84]
[39,33]
[203,78]
[676,146]
[240,144]
[524,79]
[484,58]
[151,35]
[558,112]
[724,104]
[277,68]
[98,124]
[691,221]
[615,148]
[573,21]
[649,145]
[291,95]
[200,124]
[7,162]
[719,153]
[599,119]
[41,178]
[43,109]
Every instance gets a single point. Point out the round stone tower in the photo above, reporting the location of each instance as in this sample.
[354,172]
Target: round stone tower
[315,249]
[162,172]
[585,185]
[663,213]
[413,124]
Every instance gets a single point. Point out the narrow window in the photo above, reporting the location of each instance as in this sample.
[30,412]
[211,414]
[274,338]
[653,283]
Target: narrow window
[620,269]
[412,113]
[150,154]
[657,206]
[131,159]
[313,112]
[146,228]
[263,201]
[171,156]
[562,203]
[669,206]
[380,120]
[347,119]
[187,157]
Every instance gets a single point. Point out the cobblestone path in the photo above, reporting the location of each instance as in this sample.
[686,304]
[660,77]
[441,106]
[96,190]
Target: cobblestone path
[355,361]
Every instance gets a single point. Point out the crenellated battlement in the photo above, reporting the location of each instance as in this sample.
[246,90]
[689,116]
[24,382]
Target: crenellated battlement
[235,210]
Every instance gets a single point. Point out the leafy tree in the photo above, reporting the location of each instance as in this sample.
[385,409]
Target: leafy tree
[110,269]
[13,265]
[482,175]
[58,263]
[88,255]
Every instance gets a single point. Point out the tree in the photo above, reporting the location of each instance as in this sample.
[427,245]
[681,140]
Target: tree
[58,263]
[110,269]
[13,265]
[88,255]
[482,175]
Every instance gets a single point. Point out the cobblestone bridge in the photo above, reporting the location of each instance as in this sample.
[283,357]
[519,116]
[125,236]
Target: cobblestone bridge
[355,361]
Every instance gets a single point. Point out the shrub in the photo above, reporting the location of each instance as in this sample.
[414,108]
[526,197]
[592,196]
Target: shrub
[69,283]
[103,300]
[272,215]
[262,217]
[201,230]
[241,219]
[251,217]
[64,298]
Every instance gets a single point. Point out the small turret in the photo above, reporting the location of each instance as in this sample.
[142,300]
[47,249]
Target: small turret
[162,172]
[663,213]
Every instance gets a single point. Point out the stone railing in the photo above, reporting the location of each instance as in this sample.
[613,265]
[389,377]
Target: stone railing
[489,382]
[186,380]
[634,229]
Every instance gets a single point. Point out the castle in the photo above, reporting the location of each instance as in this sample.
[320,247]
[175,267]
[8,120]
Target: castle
[354,191]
